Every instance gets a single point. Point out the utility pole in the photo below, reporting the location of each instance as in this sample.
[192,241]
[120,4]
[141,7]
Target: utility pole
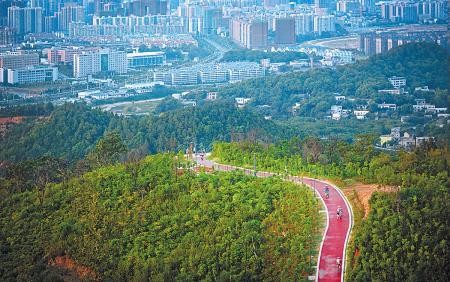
[254,164]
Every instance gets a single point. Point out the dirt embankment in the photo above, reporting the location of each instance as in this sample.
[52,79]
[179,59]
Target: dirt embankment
[73,269]
[361,193]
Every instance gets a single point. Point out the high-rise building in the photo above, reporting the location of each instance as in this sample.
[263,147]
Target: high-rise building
[25,20]
[413,11]
[4,5]
[272,3]
[146,7]
[284,31]
[212,17]
[324,4]
[7,36]
[324,23]
[349,6]
[70,13]
[103,60]
[15,19]
[367,43]
[368,6]
[381,41]
[257,34]
[251,34]
[50,23]
[304,24]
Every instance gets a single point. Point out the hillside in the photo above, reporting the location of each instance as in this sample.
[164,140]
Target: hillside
[420,63]
[143,221]
[405,235]
[71,130]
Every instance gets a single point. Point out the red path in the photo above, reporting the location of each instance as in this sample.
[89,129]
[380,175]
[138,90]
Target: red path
[337,231]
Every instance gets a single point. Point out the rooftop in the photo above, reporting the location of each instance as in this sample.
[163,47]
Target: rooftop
[145,54]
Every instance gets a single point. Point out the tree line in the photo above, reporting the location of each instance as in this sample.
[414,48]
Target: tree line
[70,131]
[404,237]
[155,219]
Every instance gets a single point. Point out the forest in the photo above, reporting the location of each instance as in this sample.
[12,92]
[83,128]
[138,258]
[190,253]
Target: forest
[422,64]
[405,236]
[153,220]
[71,130]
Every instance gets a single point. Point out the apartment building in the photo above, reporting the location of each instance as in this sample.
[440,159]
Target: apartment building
[250,34]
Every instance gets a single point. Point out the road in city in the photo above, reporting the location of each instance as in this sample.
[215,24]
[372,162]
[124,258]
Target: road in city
[337,231]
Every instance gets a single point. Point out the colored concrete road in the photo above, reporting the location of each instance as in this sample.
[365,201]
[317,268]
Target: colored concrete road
[337,231]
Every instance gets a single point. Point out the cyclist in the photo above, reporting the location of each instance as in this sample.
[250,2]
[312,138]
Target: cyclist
[339,213]
[327,191]
[339,263]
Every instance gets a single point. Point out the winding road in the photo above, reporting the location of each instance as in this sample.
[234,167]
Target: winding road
[337,231]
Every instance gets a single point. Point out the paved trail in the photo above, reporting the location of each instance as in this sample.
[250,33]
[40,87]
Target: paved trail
[337,230]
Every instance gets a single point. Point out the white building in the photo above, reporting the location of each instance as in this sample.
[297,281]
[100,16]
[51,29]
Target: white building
[146,59]
[336,112]
[397,91]
[386,106]
[360,114]
[96,61]
[304,24]
[184,77]
[238,71]
[324,23]
[241,102]
[31,74]
[212,75]
[397,82]
[211,96]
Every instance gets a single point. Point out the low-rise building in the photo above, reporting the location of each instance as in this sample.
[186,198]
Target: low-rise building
[64,55]
[385,106]
[210,73]
[184,77]
[146,59]
[423,140]
[211,96]
[396,132]
[31,74]
[423,89]
[397,82]
[360,114]
[397,91]
[384,139]
[241,102]
[18,60]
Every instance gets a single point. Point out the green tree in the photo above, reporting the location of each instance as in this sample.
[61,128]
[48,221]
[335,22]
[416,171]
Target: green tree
[108,150]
